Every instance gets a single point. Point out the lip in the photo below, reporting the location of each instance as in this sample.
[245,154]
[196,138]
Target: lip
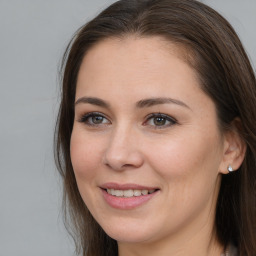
[127,203]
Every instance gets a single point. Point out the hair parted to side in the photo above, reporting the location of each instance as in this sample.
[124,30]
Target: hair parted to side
[226,75]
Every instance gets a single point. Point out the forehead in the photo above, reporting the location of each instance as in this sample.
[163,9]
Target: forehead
[143,45]
[132,59]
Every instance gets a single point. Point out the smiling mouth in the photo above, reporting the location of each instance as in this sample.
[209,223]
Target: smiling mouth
[129,192]
[127,196]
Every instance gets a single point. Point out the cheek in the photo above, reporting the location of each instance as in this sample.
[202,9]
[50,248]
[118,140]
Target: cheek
[85,158]
[184,152]
[187,164]
[188,168]
[85,155]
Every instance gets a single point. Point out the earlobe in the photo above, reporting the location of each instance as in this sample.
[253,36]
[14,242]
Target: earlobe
[230,168]
[234,149]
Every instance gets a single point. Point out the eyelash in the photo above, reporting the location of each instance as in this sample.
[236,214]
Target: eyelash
[166,118]
[85,118]
[172,121]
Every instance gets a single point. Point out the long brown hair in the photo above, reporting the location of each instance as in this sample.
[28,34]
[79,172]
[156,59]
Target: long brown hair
[216,53]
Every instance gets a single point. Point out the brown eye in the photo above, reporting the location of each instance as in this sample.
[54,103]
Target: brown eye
[159,121]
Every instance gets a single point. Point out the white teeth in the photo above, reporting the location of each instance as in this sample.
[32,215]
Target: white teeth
[137,192]
[119,192]
[129,192]
[144,192]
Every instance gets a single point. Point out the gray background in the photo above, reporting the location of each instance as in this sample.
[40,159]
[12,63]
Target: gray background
[33,36]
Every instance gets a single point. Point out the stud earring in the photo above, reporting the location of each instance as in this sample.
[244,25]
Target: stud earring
[230,169]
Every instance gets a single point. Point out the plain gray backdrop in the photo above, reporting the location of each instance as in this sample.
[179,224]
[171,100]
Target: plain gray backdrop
[33,36]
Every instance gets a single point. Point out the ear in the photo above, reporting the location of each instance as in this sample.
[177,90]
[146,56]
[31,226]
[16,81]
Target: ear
[234,148]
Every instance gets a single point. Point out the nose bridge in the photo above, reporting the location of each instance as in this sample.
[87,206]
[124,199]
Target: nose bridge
[122,150]
[121,136]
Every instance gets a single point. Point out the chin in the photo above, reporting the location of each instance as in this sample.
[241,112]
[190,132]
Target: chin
[129,233]
[128,237]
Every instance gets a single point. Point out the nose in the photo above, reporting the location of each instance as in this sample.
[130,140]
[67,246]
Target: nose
[123,150]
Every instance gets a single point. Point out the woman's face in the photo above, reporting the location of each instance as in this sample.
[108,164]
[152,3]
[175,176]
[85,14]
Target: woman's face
[145,146]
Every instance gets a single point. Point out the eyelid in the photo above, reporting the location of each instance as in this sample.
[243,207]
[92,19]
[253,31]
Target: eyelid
[84,117]
[157,114]
[172,120]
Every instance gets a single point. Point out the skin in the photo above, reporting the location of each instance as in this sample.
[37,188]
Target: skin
[184,159]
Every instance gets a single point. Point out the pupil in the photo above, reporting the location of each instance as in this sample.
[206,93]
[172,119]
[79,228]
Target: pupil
[97,119]
[159,121]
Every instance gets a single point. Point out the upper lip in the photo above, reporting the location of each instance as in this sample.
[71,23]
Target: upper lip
[126,186]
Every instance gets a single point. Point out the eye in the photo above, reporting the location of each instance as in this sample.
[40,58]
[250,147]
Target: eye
[159,121]
[94,119]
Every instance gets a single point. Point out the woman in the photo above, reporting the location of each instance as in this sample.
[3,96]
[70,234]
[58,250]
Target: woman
[156,134]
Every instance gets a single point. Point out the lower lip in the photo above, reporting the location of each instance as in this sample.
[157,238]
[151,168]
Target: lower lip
[126,203]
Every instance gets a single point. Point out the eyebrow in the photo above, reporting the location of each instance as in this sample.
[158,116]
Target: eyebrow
[156,101]
[93,101]
[140,104]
